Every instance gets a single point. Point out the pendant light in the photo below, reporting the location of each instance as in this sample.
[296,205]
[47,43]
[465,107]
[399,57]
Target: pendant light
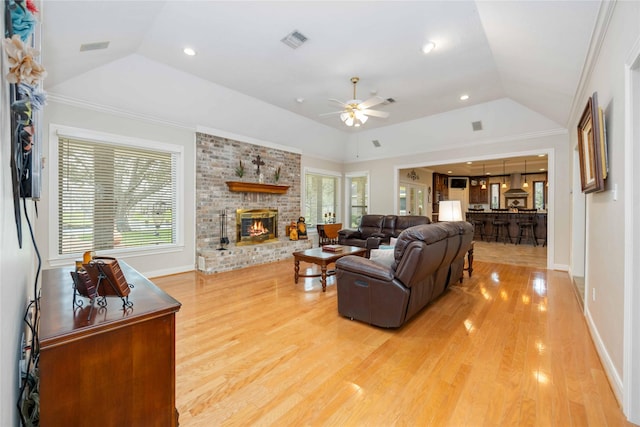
[484,180]
[504,184]
[526,184]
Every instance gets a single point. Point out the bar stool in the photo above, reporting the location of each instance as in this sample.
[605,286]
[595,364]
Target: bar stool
[501,226]
[477,222]
[526,225]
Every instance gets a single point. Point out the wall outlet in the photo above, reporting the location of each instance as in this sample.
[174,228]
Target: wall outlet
[593,294]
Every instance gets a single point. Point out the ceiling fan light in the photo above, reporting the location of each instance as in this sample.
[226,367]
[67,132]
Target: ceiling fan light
[360,116]
[349,121]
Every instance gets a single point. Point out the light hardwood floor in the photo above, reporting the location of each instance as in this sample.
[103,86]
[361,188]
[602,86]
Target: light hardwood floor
[500,253]
[507,347]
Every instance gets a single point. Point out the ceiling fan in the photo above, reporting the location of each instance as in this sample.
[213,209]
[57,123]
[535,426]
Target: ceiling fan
[356,112]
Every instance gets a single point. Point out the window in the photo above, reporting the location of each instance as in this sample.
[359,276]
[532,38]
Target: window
[495,196]
[358,187]
[321,198]
[114,196]
[538,194]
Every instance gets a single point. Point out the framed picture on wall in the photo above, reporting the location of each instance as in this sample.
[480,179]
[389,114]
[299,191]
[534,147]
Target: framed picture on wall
[589,150]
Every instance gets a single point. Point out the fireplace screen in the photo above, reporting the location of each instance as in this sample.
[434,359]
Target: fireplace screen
[256,226]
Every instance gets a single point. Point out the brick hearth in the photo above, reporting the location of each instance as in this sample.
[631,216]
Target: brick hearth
[244,256]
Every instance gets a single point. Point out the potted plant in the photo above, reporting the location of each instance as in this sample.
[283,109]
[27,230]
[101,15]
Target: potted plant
[240,169]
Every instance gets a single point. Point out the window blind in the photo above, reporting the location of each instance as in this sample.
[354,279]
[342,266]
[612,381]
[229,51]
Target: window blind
[112,196]
[321,197]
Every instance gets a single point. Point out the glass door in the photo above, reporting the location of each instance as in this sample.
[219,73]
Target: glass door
[412,200]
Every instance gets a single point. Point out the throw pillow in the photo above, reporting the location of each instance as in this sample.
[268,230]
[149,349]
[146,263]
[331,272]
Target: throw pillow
[383,255]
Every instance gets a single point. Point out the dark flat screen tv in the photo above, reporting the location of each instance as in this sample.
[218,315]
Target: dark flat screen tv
[458,182]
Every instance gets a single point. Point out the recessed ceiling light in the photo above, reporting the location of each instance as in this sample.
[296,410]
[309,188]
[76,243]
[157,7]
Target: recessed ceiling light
[428,47]
[541,155]
[449,171]
[464,97]
[300,100]
[469,163]
[542,169]
[189,51]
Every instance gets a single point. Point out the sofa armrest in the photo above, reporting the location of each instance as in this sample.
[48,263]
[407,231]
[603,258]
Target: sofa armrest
[368,291]
[365,267]
[373,243]
[349,234]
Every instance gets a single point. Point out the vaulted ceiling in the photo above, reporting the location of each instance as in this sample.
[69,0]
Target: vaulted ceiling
[531,52]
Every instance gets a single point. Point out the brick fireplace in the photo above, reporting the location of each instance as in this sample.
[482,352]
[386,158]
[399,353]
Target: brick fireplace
[216,161]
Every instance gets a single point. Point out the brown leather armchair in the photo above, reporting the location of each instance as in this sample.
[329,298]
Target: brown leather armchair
[390,295]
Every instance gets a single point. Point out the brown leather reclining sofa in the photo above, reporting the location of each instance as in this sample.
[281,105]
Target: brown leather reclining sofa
[375,230]
[427,258]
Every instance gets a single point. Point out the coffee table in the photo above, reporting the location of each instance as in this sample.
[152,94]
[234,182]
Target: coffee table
[323,258]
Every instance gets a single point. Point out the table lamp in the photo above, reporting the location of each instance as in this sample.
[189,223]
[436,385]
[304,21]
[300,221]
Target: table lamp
[450,210]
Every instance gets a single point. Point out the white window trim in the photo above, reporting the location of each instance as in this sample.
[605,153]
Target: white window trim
[347,193]
[56,131]
[303,190]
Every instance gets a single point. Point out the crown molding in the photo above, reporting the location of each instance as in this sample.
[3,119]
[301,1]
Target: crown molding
[597,39]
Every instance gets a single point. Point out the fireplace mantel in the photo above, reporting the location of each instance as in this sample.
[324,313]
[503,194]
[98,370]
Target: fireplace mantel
[255,187]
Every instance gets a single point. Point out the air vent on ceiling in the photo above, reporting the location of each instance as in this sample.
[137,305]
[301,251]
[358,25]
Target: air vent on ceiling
[476,126]
[376,143]
[93,46]
[294,40]
[388,101]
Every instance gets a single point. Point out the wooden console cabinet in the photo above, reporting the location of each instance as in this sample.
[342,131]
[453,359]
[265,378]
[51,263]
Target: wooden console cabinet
[114,368]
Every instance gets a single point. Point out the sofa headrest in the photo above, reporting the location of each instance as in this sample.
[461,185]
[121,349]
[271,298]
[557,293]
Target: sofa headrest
[369,221]
[458,227]
[389,223]
[427,233]
[405,221]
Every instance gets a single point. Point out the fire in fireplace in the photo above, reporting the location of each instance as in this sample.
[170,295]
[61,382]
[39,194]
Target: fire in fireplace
[256,226]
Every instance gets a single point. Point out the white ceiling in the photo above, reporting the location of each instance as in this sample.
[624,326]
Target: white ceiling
[531,52]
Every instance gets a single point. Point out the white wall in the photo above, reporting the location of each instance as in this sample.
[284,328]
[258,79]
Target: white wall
[605,230]
[66,115]
[17,268]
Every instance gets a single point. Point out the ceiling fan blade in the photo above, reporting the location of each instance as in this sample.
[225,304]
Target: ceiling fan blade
[331,113]
[337,101]
[370,102]
[375,113]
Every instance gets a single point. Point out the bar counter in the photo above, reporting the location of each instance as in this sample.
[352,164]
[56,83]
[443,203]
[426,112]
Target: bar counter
[512,218]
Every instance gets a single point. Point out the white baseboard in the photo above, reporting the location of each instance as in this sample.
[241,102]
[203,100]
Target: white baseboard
[168,271]
[612,374]
[560,267]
